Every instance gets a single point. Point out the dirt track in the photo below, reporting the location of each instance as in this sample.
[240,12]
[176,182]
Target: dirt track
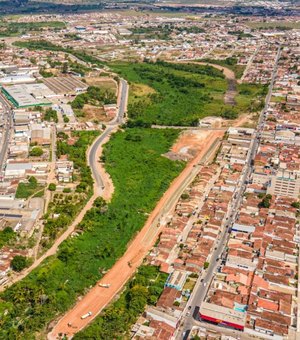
[118,275]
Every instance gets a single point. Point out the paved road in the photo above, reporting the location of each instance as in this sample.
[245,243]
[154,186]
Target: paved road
[205,279]
[92,158]
[8,124]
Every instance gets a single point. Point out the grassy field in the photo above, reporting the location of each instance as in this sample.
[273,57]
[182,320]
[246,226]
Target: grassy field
[140,175]
[26,190]
[115,321]
[182,93]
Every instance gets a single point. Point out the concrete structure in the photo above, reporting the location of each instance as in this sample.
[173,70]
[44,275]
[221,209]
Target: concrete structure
[285,183]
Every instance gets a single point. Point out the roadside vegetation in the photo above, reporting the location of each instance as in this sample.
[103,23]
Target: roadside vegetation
[181,94]
[115,321]
[230,63]
[140,175]
[64,207]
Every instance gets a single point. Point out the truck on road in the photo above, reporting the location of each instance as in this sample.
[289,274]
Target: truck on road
[84,316]
[104,285]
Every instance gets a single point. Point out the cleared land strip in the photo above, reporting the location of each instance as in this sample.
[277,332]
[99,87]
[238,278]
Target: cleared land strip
[98,297]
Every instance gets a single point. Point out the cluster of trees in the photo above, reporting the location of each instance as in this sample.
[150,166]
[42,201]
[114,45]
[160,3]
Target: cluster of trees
[115,321]
[36,152]
[51,115]
[18,263]
[94,96]
[6,235]
[266,201]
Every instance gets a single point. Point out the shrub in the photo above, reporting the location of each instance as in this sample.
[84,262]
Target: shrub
[18,263]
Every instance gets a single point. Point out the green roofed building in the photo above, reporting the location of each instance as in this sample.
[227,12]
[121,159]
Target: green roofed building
[22,95]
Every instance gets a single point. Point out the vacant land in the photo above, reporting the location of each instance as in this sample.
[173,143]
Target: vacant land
[25,190]
[115,321]
[182,93]
[140,176]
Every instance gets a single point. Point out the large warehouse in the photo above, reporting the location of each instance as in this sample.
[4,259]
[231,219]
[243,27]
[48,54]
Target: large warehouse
[27,95]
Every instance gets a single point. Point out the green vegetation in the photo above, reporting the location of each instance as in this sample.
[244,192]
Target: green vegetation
[230,63]
[48,46]
[140,175]
[94,96]
[36,152]
[67,206]
[180,94]
[206,265]
[12,29]
[6,235]
[51,115]
[115,321]
[266,202]
[52,187]
[18,263]
[28,189]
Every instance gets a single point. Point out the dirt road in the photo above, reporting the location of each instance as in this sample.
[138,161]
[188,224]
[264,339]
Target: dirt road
[124,268]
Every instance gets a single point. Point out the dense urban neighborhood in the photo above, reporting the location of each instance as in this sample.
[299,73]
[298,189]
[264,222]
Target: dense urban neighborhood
[150,171]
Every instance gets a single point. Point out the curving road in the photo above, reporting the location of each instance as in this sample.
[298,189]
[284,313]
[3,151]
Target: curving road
[111,126]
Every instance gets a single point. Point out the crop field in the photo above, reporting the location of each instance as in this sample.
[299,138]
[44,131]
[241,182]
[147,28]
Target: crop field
[140,175]
[182,93]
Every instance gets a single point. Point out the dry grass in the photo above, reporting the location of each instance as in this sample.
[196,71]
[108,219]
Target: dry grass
[141,90]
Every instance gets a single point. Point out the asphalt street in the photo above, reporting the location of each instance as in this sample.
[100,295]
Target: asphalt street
[110,127]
